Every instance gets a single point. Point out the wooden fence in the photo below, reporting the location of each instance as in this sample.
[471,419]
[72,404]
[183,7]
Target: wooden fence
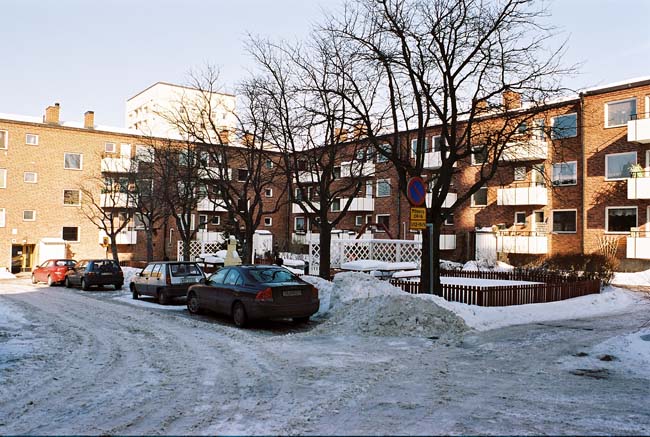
[504,295]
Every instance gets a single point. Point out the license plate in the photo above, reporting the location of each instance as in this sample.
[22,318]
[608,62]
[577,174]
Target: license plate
[289,293]
[106,274]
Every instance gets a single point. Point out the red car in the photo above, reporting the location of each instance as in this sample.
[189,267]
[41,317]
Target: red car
[52,271]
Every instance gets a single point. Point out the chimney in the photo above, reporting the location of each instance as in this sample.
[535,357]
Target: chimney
[340,135]
[511,100]
[360,131]
[224,136]
[481,106]
[89,120]
[52,114]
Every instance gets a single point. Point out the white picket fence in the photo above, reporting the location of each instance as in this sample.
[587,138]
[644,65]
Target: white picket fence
[343,251]
[197,248]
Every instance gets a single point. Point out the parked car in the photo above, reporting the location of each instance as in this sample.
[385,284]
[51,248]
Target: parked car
[52,271]
[166,280]
[254,292]
[95,272]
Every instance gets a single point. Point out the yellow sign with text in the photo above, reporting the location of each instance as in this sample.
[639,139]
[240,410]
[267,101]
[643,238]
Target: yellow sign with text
[418,218]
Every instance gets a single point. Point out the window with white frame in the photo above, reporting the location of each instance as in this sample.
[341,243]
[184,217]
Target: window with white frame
[522,128]
[31,139]
[30,177]
[358,220]
[203,221]
[620,219]
[565,221]
[520,218]
[72,161]
[449,219]
[268,221]
[3,214]
[4,139]
[110,148]
[29,215]
[369,218]
[70,233]
[414,146]
[383,219]
[564,126]
[269,163]
[383,187]
[144,153]
[538,129]
[299,224]
[619,113]
[480,198]
[3,178]
[565,173]
[138,221]
[618,165]
[369,189]
[336,204]
[216,220]
[479,155]
[438,141]
[520,173]
[382,155]
[268,192]
[242,175]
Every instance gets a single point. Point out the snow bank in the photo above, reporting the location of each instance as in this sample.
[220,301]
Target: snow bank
[364,265]
[4,274]
[10,316]
[636,278]
[129,273]
[486,265]
[450,265]
[612,300]
[149,303]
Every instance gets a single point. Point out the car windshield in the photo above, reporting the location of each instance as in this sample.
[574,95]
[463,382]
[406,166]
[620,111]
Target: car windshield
[65,262]
[273,275]
[185,270]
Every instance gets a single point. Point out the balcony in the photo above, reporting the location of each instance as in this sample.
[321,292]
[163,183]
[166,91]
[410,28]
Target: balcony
[447,241]
[525,150]
[526,242]
[638,131]
[209,236]
[116,200]
[302,237]
[207,204]
[119,165]
[357,169]
[296,209]
[523,194]
[214,173]
[359,204]
[449,200]
[125,236]
[638,243]
[308,177]
[639,187]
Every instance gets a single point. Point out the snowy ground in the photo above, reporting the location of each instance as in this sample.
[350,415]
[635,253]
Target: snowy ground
[374,360]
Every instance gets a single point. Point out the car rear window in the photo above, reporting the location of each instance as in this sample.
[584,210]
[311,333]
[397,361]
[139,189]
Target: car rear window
[67,263]
[106,266]
[273,275]
[185,270]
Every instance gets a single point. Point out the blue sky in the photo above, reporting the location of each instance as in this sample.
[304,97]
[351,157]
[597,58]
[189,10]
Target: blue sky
[92,55]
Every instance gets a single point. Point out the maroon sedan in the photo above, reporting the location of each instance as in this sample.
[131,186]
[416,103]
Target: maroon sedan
[52,271]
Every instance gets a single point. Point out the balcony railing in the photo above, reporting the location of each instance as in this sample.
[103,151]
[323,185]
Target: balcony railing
[296,209]
[215,173]
[209,236]
[125,236]
[523,194]
[450,199]
[308,177]
[638,129]
[207,204]
[359,204]
[357,169]
[638,243]
[116,200]
[118,165]
[526,242]
[638,186]
[525,150]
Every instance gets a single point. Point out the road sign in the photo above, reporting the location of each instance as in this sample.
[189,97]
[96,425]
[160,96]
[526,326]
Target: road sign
[418,218]
[416,191]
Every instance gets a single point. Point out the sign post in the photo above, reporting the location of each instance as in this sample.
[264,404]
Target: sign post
[416,193]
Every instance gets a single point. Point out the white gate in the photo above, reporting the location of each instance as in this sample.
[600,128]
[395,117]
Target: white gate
[197,248]
[486,245]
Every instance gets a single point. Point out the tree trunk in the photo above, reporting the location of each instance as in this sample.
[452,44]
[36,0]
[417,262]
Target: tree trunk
[431,254]
[187,238]
[114,251]
[247,247]
[325,250]
[150,245]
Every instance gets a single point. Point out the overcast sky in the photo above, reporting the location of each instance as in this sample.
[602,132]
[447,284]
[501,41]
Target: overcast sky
[94,55]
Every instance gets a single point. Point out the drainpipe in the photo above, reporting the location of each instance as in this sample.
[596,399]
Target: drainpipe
[584,172]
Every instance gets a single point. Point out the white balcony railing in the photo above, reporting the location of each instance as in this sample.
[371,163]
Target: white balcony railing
[638,243]
[125,236]
[526,242]
[447,241]
[308,177]
[207,204]
[116,200]
[638,131]
[357,169]
[639,187]
[209,236]
[119,165]
[304,238]
[450,199]
[525,194]
[314,208]
[528,150]
[215,173]
[360,204]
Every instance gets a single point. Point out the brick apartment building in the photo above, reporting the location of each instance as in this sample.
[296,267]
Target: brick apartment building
[569,190]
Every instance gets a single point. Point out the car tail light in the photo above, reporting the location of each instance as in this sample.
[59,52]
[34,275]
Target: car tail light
[314,292]
[265,295]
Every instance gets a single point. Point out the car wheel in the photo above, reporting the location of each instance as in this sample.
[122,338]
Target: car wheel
[34,281]
[193,304]
[118,285]
[135,293]
[50,282]
[163,299]
[301,320]
[67,282]
[84,285]
[239,315]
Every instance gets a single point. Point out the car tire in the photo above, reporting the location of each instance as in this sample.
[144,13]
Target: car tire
[34,281]
[193,304]
[67,282]
[136,296]
[118,285]
[301,320]
[50,282]
[239,315]
[163,299]
[84,285]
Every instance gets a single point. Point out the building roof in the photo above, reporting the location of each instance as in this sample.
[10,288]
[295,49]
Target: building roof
[176,86]
[614,86]
[72,124]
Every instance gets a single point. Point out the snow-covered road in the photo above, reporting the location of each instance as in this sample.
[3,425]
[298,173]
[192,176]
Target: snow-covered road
[75,362]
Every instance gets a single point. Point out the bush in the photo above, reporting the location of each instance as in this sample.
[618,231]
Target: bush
[578,265]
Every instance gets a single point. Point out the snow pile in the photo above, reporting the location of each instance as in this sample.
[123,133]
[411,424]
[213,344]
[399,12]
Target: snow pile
[450,265]
[4,274]
[324,292]
[357,303]
[364,265]
[129,273]
[487,265]
[637,278]
[612,300]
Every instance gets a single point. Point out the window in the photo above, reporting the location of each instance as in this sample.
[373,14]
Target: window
[620,219]
[268,192]
[299,194]
[358,220]
[31,139]
[414,146]
[3,178]
[565,221]
[336,172]
[619,113]
[383,187]
[369,189]
[144,153]
[520,218]
[538,129]
[565,173]
[216,220]
[520,173]
[109,147]
[299,224]
[3,214]
[336,205]
[383,219]
[618,165]
[438,141]
[369,218]
[385,149]
[4,137]
[268,163]
[72,161]
[203,221]
[70,233]
[449,219]
[242,175]
[29,215]
[522,128]
[268,221]
[480,198]
[479,155]
[30,177]
[564,126]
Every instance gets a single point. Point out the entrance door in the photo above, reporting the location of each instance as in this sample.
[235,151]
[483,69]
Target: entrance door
[486,245]
[22,257]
